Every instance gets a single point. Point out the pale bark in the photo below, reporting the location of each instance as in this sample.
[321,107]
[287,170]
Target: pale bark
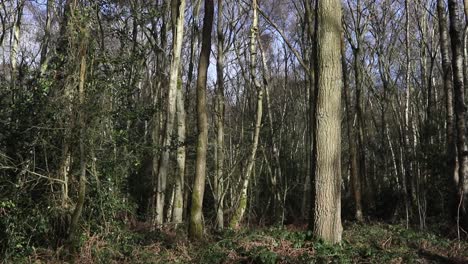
[45,42]
[327,167]
[179,11]
[16,34]
[242,203]
[178,207]
[196,214]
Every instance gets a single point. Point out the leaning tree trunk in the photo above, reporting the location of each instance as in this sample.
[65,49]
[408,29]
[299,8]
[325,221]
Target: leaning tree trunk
[459,92]
[242,203]
[327,213]
[196,221]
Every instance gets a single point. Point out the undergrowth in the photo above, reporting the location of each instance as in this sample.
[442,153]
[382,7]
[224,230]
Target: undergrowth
[370,243]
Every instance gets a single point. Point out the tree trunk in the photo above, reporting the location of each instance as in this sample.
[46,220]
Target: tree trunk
[45,42]
[178,10]
[219,162]
[196,214]
[178,16]
[355,182]
[459,92]
[16,31]
[327,213]
[451,151]
[242,204]
[74,238]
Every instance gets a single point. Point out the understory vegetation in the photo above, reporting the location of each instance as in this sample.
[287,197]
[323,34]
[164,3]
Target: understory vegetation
[369,243]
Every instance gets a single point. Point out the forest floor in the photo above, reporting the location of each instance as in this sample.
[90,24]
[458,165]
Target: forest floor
[369,243]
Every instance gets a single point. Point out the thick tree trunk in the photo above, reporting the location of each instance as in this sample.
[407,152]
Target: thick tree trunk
[196,214]
[242,204]
[327,213]
[459,92]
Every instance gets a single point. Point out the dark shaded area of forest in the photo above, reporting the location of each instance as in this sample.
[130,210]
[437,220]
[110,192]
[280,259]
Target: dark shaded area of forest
[273,131]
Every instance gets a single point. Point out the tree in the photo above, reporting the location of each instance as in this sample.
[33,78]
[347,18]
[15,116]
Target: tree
[242,203]
[456,38]
[219,112]
[327,153]
[196,214]
[178,15]
[451,150]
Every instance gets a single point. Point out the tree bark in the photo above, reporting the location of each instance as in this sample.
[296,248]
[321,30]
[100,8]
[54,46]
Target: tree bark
[451,151]
[460,108]
[196,214]
[178,12]
[327,213]
[242,204]
[219,162]
[353,162]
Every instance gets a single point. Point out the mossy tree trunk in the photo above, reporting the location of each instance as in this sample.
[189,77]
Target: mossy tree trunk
[196,214]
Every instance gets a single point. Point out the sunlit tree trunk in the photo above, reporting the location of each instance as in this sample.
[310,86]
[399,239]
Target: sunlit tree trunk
[15,40]
[178,17]
[178,11]
[327,213]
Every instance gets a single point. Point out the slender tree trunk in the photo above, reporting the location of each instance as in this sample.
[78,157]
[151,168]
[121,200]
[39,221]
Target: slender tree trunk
[242,204]
[16,31]
[82,137]
[219,162]
[355,183]
[178,208]
[407,146]
[45,42]
[327,213]
[196,214]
